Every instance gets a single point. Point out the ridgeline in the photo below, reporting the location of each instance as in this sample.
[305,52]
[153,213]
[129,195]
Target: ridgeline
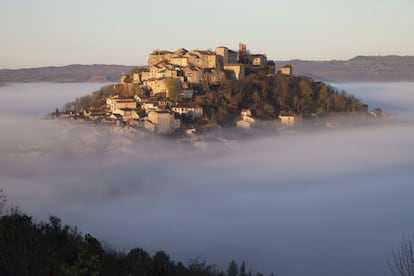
[69,73]
[390,68]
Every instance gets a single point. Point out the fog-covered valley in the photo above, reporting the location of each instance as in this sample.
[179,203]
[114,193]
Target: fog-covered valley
[328,202]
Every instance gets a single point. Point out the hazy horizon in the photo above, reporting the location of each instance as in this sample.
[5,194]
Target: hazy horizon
[321,203]
[145,63]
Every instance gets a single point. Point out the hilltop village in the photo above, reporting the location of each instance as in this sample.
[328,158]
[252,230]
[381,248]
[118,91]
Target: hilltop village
[191,91]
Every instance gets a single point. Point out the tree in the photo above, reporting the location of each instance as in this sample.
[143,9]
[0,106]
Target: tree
[306,95]
[174,87]
[242,271]
[232,270]
[161,262]
[139,262]
[269,109]
[197,267]
[402,261]
[3,201]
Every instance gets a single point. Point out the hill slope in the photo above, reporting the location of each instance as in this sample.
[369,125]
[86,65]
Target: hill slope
[69,73]
[358,69]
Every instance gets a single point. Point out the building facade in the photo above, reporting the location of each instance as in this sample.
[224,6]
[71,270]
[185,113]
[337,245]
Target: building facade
[114,103]
[161,122]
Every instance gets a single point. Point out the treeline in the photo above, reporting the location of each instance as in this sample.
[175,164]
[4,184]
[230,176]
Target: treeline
[52,248]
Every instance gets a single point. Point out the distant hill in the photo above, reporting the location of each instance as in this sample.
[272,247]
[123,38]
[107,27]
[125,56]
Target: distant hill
[358,69]
[69,73]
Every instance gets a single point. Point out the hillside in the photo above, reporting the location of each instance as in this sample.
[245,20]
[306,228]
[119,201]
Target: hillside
[69,73]
[358,69]
[266,96]
[53,248]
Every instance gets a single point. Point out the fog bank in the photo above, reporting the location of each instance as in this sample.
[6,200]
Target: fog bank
[329,202]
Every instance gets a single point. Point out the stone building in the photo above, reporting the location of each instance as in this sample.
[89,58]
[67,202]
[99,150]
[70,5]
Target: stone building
[259,60]
[193,110]
[196,67]
[204,59]
[161,122]
[226,55]
[157,85]
[285,70]
[290,119]
[235,70]
[193,74]
[157,56]
[114,103]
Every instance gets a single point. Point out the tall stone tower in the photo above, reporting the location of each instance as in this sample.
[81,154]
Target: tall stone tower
[223,53]
[242,48]
[244,57]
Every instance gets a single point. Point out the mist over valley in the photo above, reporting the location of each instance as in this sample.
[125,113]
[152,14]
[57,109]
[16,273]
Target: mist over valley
[326,202]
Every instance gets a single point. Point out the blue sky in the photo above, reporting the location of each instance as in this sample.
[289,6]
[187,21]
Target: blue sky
[56,32]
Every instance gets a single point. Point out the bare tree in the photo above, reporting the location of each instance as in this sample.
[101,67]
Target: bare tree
[402,261]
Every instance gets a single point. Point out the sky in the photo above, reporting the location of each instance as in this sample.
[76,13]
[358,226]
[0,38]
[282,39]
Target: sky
[55,32]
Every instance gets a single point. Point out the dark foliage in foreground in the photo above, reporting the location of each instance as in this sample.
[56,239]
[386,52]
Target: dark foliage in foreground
[51,248]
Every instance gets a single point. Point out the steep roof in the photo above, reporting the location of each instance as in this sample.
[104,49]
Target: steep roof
[181,51]
[204,52]
[160,52]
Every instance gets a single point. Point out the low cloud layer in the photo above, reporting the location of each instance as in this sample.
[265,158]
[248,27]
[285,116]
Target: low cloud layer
[333,201]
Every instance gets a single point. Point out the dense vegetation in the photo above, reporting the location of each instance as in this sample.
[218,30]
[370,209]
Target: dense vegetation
[268,95]
[51,248]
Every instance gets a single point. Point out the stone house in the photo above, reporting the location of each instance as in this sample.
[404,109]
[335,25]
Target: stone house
[226,55]
[161,122]
[246,119]
[157,86]
[145,75]
[235,70]
[243,124]
[141,99]
[204,59]
[114,103]
[94,113]
[126,113]
[150,106]
[259,60]
[193,74]
[193,110]
[290,119]
[245,112]
[285,70]
[158,55]
[179,61]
